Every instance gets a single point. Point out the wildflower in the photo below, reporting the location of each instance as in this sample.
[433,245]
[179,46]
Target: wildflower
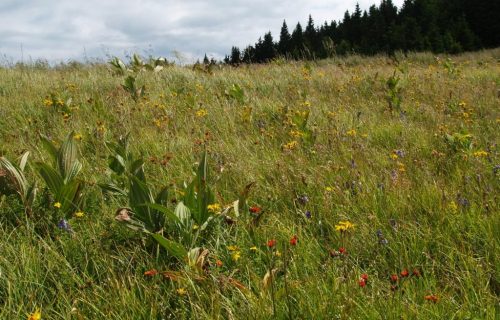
[303,199]
[362,283]
[77,137]
[381,239]
[64,225]
[416,273]
[150,273]
[181,291]
[79,214]
[290,145]
[157,122]
[196,227]
[293,240]
[364,276]
[254,248]
[255,209]
[432,298]
[233,248]
[201,113]
[344,226]
[308,214]
[351,133]
[404,273]
[218,263]
[452,206]
[480,154]
[394,156]
[48,102]
[329,189]
[236,256]
[57,205]
[214,208]
[394,277]
[342,250]
[37,315]
[399,153]
[271,243]
[296,133]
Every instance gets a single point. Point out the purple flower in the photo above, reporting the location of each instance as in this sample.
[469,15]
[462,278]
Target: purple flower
[308,214]
[64,225]
[400,153]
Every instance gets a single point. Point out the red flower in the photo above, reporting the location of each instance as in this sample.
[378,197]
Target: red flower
[218,263]
[416,273]
[150,273]
[394,277]
[432,298]
[271,243]
[342,250]
[364,276]
[362,283]
[293,240]
[405,273]
[255,209]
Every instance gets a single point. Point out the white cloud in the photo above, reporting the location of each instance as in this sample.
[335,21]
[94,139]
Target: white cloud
[66,29]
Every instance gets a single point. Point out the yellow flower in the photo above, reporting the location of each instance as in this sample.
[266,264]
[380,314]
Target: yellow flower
[236,256]
[48,102]
[394,156]
[306,104]
[351,133]
[296,133]
[214,208]
[181,291]
[401,167]
[329,189]
[291,145]
[201,113]
[480,153]
[232,248]
[57,205]
[77,137]
[254,248]
[344,226]
[157,122]
[196,227]
[37,315]
[79,214]
[453,206]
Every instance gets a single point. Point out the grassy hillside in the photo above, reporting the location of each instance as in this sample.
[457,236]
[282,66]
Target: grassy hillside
[373,191]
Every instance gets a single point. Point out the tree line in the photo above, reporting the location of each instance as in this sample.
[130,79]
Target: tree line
[440,26]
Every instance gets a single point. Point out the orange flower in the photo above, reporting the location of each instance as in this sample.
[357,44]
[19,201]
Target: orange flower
[271,243]
[150,273]
[342,250]
[394,277]
[432,298]
[293,240]
[218,263]
[364,276]
[362,283]
[255,209]
[405,273]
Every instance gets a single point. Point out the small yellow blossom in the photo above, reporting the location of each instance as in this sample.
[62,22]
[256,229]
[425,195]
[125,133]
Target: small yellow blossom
[236,256]
[37,315]
[290,145]
[351,133]
[157,122]
[296,133]
[181,291]
[344,226]
[254,248]
[329,189]
[201,113]
[232,248]
[48,102]
[196,227]
[77,137]
[79,214]
[394,156]
[480,154]
[57,205]
[401,167]
[306,104]
[214,208]
[452,206]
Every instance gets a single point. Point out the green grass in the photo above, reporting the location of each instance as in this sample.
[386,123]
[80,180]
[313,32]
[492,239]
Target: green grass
[436,203]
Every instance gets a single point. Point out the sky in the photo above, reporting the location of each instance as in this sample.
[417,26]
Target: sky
[65,30]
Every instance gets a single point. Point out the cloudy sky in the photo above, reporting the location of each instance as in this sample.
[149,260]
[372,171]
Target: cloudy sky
[61,30]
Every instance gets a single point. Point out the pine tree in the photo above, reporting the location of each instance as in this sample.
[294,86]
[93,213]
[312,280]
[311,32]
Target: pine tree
[284,45]
[297,44]
[235,56]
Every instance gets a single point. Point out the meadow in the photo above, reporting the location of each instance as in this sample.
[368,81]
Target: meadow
[347,188]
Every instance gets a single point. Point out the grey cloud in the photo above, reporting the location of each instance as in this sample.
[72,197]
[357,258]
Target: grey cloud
[64,29]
